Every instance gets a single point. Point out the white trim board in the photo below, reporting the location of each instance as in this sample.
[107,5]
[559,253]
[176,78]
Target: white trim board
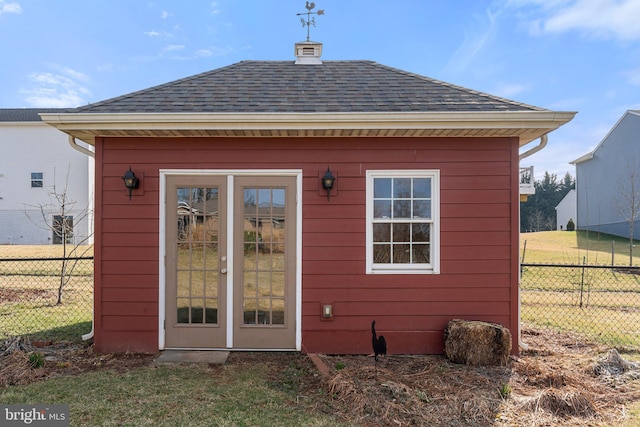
[230,174]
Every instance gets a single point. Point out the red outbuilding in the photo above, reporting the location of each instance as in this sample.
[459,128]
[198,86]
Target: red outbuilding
[285,205]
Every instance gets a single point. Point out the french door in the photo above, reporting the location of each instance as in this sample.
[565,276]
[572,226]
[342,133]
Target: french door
[230,279]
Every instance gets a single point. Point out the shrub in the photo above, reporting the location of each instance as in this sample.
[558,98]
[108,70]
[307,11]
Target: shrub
[252,240]
[36,360]
[571,226]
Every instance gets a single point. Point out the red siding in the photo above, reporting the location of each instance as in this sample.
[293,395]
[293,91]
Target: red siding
[479,236]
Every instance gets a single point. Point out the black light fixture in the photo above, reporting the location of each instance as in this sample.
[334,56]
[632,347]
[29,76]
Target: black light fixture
[327,181]
[130,181]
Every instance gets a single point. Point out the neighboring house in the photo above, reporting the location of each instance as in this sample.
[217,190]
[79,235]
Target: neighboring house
[566,210]
[230,240]
[604,176]
[527,183]
[37,162]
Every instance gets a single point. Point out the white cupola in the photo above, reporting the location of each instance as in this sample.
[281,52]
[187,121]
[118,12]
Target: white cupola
[308,53]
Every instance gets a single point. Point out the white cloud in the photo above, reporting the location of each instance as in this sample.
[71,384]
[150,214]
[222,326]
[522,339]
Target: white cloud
[214,8]
[605,19]
[59,89]
[77,75]
[546,4]
[475,40]
[602,18]
[105,67]
[568,104]
[509,90]
[205,53]
[173,47]
[161,34]
[12,7]
[51,98]
[165,14]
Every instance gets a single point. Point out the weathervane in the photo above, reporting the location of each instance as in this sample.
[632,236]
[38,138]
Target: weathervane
[311,20]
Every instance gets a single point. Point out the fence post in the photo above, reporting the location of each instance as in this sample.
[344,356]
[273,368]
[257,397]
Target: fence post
[613,251]
[524,251]
[584,261]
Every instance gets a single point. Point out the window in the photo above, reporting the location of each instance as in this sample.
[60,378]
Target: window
[403,221]
[37,180]
[62,229]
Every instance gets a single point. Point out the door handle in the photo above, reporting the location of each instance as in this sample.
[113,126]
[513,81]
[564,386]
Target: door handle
[223,271]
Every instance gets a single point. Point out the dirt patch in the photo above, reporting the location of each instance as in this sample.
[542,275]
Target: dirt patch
[635,271]
[562,379]
[24,295]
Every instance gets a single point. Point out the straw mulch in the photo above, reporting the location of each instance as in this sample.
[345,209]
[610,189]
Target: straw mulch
[57,359]
[16,368]
[561,380]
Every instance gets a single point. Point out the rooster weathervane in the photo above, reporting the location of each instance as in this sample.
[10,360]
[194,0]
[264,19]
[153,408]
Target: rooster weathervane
[311,20]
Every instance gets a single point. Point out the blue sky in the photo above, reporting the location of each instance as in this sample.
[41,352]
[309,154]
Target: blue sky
[565,55]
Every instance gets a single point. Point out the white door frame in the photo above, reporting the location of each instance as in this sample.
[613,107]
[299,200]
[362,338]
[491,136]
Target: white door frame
[230,174]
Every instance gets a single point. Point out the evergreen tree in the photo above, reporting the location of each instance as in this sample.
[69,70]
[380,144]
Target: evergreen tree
[538,213]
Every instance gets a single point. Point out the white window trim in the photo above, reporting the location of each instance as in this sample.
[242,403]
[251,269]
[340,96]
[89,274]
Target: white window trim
[434,267]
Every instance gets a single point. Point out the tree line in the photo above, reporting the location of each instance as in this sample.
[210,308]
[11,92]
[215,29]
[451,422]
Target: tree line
[538,213]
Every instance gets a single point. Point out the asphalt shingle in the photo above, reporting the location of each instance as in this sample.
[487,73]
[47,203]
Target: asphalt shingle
[283,87]
[26,114]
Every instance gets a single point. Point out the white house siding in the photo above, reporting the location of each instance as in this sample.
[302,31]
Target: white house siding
[598,174]
[33,146]
[566,210]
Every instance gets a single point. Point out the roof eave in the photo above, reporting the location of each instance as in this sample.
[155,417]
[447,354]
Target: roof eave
[582,159]
[590,155]
[528,125]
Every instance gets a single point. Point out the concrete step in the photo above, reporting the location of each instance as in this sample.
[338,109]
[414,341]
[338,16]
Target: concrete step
[212,357]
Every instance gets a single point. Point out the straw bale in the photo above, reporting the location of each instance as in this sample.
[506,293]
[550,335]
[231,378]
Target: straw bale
[477,343]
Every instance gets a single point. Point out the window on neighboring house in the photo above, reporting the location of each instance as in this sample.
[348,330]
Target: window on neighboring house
[403,221]
[62,229]
[37,180]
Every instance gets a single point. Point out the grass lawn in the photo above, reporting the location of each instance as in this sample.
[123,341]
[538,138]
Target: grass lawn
[41,251]
[252,392]
[29,294]
[575,247]
[601,303]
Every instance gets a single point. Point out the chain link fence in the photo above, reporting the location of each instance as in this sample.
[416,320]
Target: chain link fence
[48,299]
[52,299]
[600,302]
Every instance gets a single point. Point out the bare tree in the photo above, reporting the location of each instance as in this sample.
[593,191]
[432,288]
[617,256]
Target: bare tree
[627,202]
[536,220]
[56,217]
[549,223]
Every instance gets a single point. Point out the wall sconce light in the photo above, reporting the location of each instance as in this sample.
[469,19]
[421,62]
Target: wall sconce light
[327,311]
[327,181]
[130,181]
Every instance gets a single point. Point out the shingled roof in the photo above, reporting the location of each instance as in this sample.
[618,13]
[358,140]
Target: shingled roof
[329,98]
[283,87]
[26,114]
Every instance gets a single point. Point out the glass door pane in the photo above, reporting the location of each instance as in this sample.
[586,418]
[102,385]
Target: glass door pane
[264,256]
[198,231]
